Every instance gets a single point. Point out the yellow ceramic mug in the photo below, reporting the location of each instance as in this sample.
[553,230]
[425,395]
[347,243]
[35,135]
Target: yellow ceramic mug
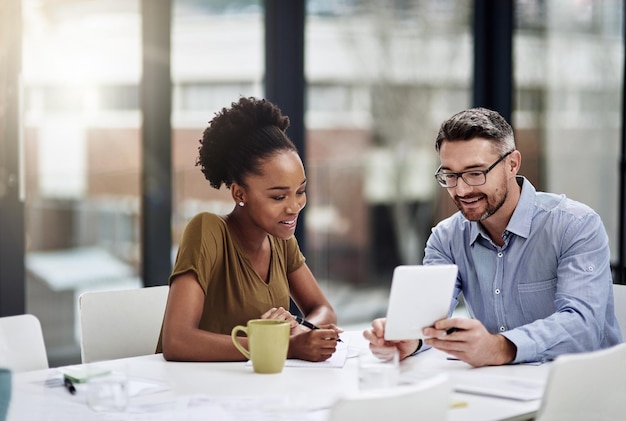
[268,341]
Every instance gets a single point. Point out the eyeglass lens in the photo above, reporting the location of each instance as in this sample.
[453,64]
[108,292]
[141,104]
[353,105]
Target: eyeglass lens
[471,178]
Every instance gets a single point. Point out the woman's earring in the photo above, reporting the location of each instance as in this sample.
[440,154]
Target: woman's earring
[241,204]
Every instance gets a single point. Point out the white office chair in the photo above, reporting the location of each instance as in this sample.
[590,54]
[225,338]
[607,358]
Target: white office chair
[586,387]
[22,345]
[121,323]
[427,400]
[619,296]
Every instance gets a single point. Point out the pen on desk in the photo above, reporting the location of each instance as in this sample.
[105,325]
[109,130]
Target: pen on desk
[304,322]
[69,385]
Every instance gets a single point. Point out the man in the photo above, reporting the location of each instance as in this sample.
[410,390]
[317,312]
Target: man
[534,268]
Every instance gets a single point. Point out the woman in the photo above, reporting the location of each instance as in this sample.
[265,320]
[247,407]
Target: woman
[245,265]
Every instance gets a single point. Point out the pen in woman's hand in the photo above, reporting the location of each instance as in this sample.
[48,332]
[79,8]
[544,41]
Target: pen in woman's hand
[301,320]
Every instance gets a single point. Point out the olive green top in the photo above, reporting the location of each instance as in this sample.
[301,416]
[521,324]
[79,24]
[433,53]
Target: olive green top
[234,292]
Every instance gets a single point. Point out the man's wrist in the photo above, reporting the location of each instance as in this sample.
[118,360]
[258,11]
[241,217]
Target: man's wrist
[509,350]
[419,346]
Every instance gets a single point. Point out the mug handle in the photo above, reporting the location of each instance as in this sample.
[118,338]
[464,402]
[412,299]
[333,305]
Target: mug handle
[233,336]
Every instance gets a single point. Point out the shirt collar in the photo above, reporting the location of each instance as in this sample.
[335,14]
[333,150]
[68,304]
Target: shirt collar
[522,215]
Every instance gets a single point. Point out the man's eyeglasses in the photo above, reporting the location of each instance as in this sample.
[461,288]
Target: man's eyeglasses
[471,178]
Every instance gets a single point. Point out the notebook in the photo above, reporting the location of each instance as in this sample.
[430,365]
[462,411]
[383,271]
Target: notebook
[419,296]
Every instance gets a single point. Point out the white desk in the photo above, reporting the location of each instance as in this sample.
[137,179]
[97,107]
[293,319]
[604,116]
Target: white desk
[300,393]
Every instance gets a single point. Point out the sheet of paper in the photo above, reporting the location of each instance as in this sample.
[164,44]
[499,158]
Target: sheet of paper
[202,408]
[337,360]
[507,387]
[138,387]
[188,408]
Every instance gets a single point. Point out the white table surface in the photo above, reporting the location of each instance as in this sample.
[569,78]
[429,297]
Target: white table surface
[301,393]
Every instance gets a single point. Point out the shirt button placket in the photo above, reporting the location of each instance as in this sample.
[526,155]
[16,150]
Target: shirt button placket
[498,297]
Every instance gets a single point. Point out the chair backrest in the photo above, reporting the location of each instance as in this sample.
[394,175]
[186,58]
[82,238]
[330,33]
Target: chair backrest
[22,346]
[427,400]
[121,323]
[619,296]
[586,386]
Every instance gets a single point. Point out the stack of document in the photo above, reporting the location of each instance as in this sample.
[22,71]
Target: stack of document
[507,387]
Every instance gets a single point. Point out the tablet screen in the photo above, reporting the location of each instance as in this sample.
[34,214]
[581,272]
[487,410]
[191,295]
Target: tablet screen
[419,296]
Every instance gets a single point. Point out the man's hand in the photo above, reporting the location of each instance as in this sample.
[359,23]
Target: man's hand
[470,342]
[382,348]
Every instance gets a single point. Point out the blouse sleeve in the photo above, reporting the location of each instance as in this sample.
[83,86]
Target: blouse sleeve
[294,256]
[198,250]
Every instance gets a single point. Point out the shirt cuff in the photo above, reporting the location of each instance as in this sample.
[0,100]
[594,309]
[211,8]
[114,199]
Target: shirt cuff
[526,348]
[420,348]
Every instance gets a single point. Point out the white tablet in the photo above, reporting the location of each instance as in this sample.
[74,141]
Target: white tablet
[419,296]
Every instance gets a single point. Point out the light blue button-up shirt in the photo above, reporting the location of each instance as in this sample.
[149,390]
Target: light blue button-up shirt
[548,289]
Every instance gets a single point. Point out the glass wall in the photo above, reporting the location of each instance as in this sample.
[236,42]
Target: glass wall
[82,146]
[217,56]
[568,70]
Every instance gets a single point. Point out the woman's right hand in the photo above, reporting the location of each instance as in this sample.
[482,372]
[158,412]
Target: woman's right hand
[313,345]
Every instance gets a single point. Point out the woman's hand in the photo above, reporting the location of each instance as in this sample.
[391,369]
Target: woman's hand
[313,345]
[304,343]
[281,314]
